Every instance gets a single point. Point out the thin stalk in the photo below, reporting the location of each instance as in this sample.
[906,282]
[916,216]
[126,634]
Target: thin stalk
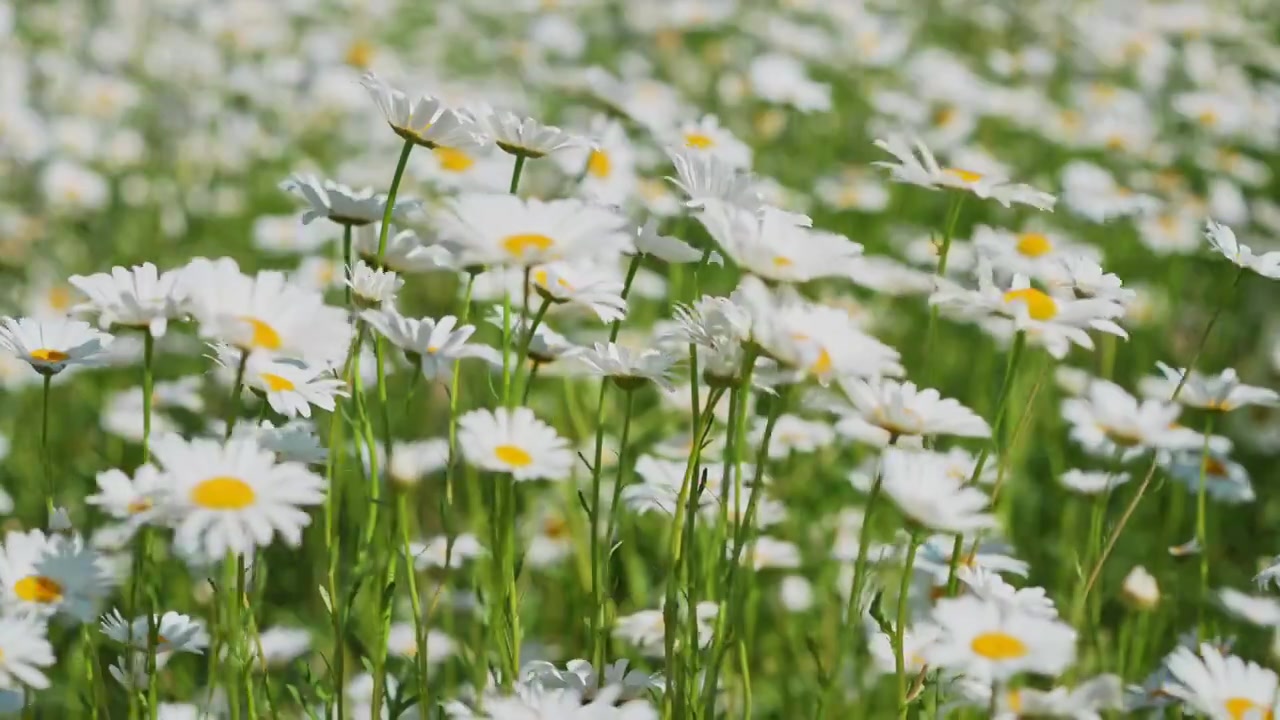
[900,631]
[1202,525]
[50,489]
[148,380]
[953,216]
[455,381]
[600,553]
[388,212]
[419,622]
[347,269]
[515,174]
[233,405]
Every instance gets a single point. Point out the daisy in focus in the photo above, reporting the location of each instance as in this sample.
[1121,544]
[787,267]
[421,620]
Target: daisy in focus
[139,297]
[984,641]
[916,166]
[492,229]
[515,442]
[50,346]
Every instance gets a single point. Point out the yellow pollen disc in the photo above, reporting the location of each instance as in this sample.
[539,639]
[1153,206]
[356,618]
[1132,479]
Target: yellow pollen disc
[512,455]
[944,115]
[1215,467]
[698,140]
[162,640]
[1034,244]
[1116,142]
[1039,305]
[782,262]
[822,365]
[998,645]
[140,505]
[599,165]
[555,528]
[38,589]
[453,160]
[540,277]
[967,176]
[275,383]
[1239,708]
[47,355]
[223,493]
[520,244]
[1208,118]
[264,336]
[359,54]
[59,298]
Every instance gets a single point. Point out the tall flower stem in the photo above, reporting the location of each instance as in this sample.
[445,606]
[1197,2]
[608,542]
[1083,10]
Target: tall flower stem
[419,621]
[515,174]
[953,216]
[599,552]
[148,382]
[455,385]
[997,426]
[900,630]
[347,269]
[388,211]
[50,488]
[1151,468]
[1202,525]
[233,404]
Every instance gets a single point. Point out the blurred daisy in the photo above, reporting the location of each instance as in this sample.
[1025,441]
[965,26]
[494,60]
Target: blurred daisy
[133,499]
[1222,392]
[1092,482]
[769,553]
[138,297]
[792,433]
[1223,240]
[50,346]
[1262,611]
[291,387]
[934,558]
[412,461]
[402,640]
[649,241]
[442,551]
[984,640]
[1220,685]
[405,251]
[580,677]
[43,575]
[1035,253]
[1140,588]
[522,136]
[1084,277]
[778,245]
[340,203]
[646,629]
[1224,479]
[989,586]
[550,538]
[1107,418]
[704,178]
[234,497]
[515,442]
[628,368]
[281,645]
[926,492]
[1090,699]
[493,229]
[608,169]
[916,165]
[707,136]
[901,409]
[373,288]
[294,441]
[175,632]
[583,285]
[431,344]
[424,120]
[25,651]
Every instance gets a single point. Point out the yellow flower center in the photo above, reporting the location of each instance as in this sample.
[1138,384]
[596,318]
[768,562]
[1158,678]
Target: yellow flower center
[698,140]
[359,54]
[599,164]
[1239,708]
[520,244]
[1039,305]
[555,528]
[38,589]
[943,116]
[1215,467]
[822,365]
[1034,244]
[967,176]
[780,261]
[1208,118]
[998,645]
[275,383]
[453,160]
[223,493]
[541,278]
[264,336]
[140,505]
[512,455]
[59,297]
[48,355]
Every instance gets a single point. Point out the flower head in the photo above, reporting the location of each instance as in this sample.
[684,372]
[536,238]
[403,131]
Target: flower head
[515,442]
[134,297]
[50,346]
[425,120]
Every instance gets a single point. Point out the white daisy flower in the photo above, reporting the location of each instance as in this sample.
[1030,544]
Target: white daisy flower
[402,640]
[1140,588]
[291,387]
[706,177]
[342,204]
[265,313]
[989,586]
[1223,240]
[608,168]
[768,553]
[405,252]
[136,297]
[439,552]
[281,645]
[234,497]
[1089,699]
[522,136]
[175,632]
[294,441]
[934,558]
[546,346]
[916,165]
[1092,482]
[984,640]
[792,433]
[902,409]
[778,245]
[1225,480]
[646,629]
[43,575]
[914,642]
[1035,253]
[664,247]
[50,346]
[501,229]
[580,677]
[25,651]
[1084,277]
[131,499]
[1220,685]
[373,288]
[514,441]
[707,136]
[626,367]
[412,461]
[1262,611]
[432,344]
[550,537]
[1106,418]
[583,285]
[923,487]
[1222,392]
[425,120]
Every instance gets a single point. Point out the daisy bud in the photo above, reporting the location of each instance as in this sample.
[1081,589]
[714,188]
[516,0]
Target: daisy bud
[1140,588]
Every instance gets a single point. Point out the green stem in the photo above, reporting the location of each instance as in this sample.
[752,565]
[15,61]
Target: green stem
[419,622]
[900,632]
[515,174]
[1202,525]
[233,405]
[599,552]
[388,212]
[50,488]
[347,270]
[148,352]
[455,384]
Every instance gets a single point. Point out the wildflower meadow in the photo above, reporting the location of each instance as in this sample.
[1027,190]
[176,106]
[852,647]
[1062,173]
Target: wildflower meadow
[639,359]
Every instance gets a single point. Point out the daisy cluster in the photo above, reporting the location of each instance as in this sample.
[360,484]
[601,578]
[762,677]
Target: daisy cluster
[610,360]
